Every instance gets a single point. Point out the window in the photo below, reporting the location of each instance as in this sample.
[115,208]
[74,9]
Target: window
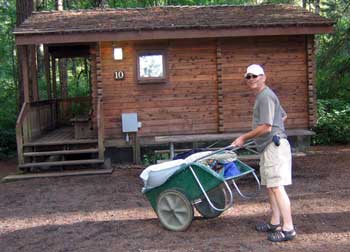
[151,66]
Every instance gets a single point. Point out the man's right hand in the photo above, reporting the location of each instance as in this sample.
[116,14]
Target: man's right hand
[238,142]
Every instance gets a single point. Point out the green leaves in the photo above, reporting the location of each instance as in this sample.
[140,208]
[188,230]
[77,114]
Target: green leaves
[8,89]
[333,124]
[333,58]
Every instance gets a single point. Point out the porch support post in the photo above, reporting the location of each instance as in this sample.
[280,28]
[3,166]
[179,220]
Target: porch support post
[25,73]
[54,93]
[48,84]
[33,72]
[47,71]
[136,148]
[21,130]
[54,83]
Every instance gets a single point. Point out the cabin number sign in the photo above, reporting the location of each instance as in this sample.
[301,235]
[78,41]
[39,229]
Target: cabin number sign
[119,75]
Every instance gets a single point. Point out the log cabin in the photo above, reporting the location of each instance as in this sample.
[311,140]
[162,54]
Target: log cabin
[161,75]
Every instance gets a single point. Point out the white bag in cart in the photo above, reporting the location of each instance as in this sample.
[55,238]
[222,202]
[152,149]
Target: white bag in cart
[156,175]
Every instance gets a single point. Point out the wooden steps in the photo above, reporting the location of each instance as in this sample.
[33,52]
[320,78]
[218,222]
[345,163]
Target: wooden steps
[65,142]
[44,154]
[53,174]
[63,152]
[62,163]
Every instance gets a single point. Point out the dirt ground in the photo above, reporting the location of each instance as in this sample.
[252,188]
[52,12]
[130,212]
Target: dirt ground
[109,213]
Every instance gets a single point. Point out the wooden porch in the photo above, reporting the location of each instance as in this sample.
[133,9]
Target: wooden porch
[61,130]
[47,135]
[62,134]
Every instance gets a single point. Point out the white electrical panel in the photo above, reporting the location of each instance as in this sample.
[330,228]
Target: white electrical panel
[129,122]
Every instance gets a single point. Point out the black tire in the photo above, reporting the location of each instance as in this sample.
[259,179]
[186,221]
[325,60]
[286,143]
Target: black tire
[218,196]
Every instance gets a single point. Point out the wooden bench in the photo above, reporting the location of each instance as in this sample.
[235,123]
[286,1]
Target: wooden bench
[298,134]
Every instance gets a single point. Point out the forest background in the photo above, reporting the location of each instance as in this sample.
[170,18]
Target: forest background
[333,61]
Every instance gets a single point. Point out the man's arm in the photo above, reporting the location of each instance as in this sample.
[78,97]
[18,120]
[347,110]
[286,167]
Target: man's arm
[258,131]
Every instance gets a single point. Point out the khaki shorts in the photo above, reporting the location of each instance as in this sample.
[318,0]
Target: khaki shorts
[276,165]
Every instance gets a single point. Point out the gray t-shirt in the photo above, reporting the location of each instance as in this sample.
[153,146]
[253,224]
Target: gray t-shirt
[268,110]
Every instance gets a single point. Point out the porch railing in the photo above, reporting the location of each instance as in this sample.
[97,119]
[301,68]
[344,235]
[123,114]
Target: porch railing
[33,119]
[22,133]
[38,117]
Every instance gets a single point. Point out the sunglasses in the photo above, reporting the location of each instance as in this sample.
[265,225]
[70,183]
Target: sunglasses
[249,76]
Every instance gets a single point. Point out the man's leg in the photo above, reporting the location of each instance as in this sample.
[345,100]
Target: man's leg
[282,200]
[275,215]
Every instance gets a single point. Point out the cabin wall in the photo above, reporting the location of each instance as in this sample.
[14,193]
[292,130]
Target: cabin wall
[188,103]
[284,61]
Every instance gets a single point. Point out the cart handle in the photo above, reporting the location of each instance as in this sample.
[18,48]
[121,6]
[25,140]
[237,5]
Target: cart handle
[252,195]
[229,147]
[207,197]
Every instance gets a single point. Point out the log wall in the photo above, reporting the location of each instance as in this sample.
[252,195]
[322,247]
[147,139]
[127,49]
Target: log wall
[186,104]
[204,92]
[285,65]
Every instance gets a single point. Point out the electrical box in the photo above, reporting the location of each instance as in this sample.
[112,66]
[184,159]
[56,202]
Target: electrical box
[129,122]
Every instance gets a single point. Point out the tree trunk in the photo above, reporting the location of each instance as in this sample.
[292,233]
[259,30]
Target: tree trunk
[63,77]
[40,59]
[317,6]
[304,4]
[62,63]
[40,5]
[74,68]
[66,4]
[24,9]
[59,5]
[101,3]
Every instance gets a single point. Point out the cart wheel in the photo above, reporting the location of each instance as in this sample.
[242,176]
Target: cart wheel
[218,197]
[174,210]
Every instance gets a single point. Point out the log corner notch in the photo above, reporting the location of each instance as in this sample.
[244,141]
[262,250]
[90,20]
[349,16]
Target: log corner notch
[100,108]
[311,80]
[219,87]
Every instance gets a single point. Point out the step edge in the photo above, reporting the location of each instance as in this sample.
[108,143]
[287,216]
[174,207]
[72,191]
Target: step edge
[62,152]
[58,163]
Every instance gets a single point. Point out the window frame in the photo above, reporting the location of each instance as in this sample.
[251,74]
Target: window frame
[149,52]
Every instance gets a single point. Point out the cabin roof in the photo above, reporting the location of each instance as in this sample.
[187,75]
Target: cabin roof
[170,18]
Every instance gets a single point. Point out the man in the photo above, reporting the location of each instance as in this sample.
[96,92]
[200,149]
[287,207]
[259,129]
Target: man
[275,154]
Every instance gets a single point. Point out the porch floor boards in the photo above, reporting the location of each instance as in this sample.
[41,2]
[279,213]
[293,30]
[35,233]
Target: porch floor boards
[60,148]
[63,135]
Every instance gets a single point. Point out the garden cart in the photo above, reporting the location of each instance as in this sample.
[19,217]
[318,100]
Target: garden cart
[174,187]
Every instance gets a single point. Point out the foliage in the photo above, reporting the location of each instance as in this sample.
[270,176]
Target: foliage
[333,58]
[333,124]
[7,117]
[333,76]
[8,80]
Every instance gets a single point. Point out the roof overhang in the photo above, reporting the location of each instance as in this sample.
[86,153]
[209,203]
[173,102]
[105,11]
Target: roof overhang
[84,37]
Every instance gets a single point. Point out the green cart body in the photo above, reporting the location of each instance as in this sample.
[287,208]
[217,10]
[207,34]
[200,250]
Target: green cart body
[184,181]
[194,184]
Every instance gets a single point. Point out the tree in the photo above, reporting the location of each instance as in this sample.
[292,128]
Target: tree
[101,3]
[59,5]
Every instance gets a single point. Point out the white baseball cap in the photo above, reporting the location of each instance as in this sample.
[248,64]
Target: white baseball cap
[255,69]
